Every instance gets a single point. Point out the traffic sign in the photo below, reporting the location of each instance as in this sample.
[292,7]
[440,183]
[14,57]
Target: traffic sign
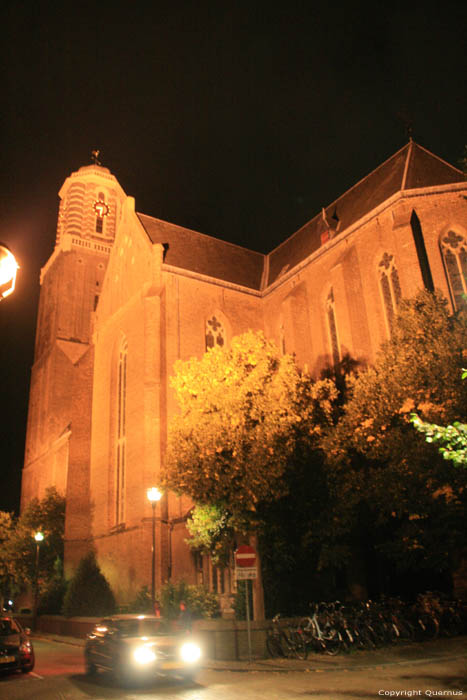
[245,557]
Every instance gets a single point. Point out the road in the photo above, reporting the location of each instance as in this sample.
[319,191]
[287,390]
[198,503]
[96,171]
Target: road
[59,675]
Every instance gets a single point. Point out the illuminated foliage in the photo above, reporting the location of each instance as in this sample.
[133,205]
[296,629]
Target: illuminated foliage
[451,439]
[384,472]
[18,547]
[242,410]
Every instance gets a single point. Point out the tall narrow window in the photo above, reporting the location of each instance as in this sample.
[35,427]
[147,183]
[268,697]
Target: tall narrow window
[454,252]
[120,472]
[332,328]
[390,287]
[215,333]
[101,210]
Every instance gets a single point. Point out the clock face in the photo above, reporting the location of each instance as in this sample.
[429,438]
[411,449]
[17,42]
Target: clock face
[101,208]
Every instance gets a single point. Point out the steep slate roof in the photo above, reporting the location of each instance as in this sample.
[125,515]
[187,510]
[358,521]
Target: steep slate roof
[196,252]
[411,167]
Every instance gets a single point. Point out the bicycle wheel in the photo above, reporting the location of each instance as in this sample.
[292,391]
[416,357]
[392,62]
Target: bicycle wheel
[297,645]
[274,646]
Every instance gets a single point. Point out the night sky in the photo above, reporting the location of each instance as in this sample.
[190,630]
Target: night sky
[237,120]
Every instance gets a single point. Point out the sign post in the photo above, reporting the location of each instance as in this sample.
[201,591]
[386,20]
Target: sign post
[245,570]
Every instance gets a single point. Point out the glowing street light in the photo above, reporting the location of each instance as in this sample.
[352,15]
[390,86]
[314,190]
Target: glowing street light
[8,269]
[38,536]
[154,495]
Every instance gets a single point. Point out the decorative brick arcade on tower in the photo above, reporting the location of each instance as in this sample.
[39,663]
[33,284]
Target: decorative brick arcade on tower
[124,295]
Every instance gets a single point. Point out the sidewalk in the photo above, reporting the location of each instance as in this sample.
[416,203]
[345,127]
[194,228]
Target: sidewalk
[422,652]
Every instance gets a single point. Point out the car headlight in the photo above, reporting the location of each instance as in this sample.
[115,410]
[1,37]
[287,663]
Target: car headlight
[144,655]
[190,652]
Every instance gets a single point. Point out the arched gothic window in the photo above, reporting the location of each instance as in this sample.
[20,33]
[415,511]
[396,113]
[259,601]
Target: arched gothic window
[390,287]
[454,252]
[215,333]
[332,328]
[120,471]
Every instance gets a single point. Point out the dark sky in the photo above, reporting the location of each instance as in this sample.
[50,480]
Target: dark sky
[235,119]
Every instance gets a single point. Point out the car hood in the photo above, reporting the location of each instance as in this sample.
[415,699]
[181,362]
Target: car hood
[160,641]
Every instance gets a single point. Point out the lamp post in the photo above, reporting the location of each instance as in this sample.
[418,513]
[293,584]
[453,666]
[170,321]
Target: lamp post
[8,269]
[154,495]
[39,536]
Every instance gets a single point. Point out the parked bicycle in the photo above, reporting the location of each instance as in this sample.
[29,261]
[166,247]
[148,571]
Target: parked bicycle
[282,640]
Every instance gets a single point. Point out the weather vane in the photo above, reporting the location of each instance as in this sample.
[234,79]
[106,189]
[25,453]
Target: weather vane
[95,157]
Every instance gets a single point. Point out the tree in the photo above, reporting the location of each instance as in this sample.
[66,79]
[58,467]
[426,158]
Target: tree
[391,491]
[451,439]
[243,409]
[48,516]
[8,576]
[89,592]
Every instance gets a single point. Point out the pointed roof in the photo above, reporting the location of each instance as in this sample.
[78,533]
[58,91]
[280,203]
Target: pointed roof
[411,167]
[205,255]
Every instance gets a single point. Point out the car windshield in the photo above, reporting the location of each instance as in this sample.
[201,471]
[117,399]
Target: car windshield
[8,626]
[142,627]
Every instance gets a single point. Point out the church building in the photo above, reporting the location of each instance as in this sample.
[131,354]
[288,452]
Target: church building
[124,295]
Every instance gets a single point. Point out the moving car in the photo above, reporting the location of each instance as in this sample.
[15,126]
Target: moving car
[141,647]
[16,650]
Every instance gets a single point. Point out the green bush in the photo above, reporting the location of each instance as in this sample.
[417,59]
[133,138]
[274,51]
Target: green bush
[199,601]
[51,600]
[89,592]
[142,603]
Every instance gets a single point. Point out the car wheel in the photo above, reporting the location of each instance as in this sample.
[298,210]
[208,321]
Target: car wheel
[90,668]
[27,669]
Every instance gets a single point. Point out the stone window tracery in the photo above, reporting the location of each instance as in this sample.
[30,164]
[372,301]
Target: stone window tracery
[215,333]
[454,252]
[332,328]
[120,472]
[390,287]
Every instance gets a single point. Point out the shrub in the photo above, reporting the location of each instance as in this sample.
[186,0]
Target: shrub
[199,601]
[142,603]
[51,600]
[89,592]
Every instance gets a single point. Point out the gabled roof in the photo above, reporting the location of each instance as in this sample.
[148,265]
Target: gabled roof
[411,167]
[196,252]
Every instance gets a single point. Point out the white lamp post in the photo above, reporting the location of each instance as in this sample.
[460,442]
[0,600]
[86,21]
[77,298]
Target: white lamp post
[38,536]
[154,495]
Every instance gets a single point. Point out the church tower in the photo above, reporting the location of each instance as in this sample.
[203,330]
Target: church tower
[61,378]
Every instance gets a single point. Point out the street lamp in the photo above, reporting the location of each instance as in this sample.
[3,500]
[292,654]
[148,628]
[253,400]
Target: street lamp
[8,269]
[154,495]
[39,536]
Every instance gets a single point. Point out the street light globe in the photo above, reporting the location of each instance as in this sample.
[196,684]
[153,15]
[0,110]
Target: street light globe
[39,536]
[154,494]
[8,268]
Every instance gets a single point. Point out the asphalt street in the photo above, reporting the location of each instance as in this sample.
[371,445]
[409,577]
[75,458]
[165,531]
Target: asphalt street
[432,669]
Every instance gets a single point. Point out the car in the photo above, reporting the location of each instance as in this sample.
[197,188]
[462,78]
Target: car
[16,650]
[141,647]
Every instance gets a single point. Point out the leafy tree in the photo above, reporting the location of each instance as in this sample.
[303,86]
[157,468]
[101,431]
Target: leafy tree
[211,529]
[452,439]
[243,410]
[89,592]
[8,576]
[48,516]
[391,492]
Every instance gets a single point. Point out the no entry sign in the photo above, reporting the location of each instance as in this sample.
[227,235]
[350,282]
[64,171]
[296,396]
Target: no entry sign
[245,562]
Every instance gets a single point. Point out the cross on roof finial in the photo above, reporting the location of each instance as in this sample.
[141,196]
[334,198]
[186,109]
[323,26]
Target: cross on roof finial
[95,157]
